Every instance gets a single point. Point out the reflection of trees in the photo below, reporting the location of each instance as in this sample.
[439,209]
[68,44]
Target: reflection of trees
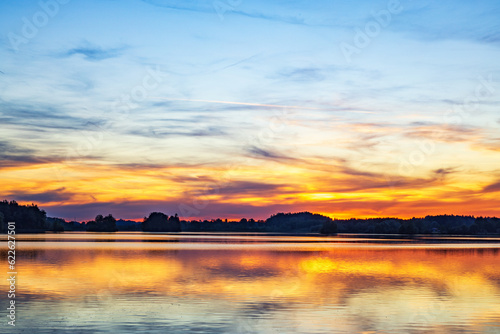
[465,251]
[23,254]
[387,286]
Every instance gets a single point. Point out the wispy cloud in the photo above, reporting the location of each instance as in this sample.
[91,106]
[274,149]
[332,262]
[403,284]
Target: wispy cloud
[15,156]
[48,196]
[250,104]
[95,53]
[248,188]
[443,172]
[304,74]
[490,144]
[163,132]
[195,6]
[242,10]
[463,21]
[40,116]
[494,187]
[443,132]
[267,154]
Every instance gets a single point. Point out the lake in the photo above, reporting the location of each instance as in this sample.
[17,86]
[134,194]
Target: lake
[253,283]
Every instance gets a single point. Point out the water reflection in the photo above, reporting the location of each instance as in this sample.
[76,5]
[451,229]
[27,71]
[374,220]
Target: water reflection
[256,287]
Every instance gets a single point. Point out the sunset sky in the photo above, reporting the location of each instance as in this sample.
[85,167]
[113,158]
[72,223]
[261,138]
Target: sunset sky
[238,108]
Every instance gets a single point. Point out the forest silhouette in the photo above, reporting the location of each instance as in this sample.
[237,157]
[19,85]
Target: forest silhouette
[31,219]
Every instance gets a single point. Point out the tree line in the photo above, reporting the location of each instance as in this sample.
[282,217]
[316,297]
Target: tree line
[31,219]
[28,218]
[439,224]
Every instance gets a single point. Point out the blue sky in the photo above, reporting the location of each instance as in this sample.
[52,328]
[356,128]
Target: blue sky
[138,105]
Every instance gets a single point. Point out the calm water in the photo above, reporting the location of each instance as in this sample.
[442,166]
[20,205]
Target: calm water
[153,283]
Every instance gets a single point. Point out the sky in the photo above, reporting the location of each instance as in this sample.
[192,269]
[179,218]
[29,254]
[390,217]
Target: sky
[238,108]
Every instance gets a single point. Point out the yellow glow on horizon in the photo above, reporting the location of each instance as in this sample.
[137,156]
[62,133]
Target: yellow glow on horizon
[297,186]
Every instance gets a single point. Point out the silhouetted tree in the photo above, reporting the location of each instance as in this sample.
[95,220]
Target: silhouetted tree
[408,227]
[55,224]
[28,218]
[301,222]
[102,224]
[160,222]
[329,227]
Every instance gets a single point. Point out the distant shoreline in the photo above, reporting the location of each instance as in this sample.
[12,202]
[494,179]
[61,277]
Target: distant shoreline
[31,219]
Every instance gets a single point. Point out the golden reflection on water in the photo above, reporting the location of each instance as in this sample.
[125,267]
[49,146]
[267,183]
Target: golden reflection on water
[305,288]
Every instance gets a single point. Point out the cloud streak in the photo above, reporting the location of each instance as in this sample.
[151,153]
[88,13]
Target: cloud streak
[241,103]
[57,195]
[95,53]
[494,187]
